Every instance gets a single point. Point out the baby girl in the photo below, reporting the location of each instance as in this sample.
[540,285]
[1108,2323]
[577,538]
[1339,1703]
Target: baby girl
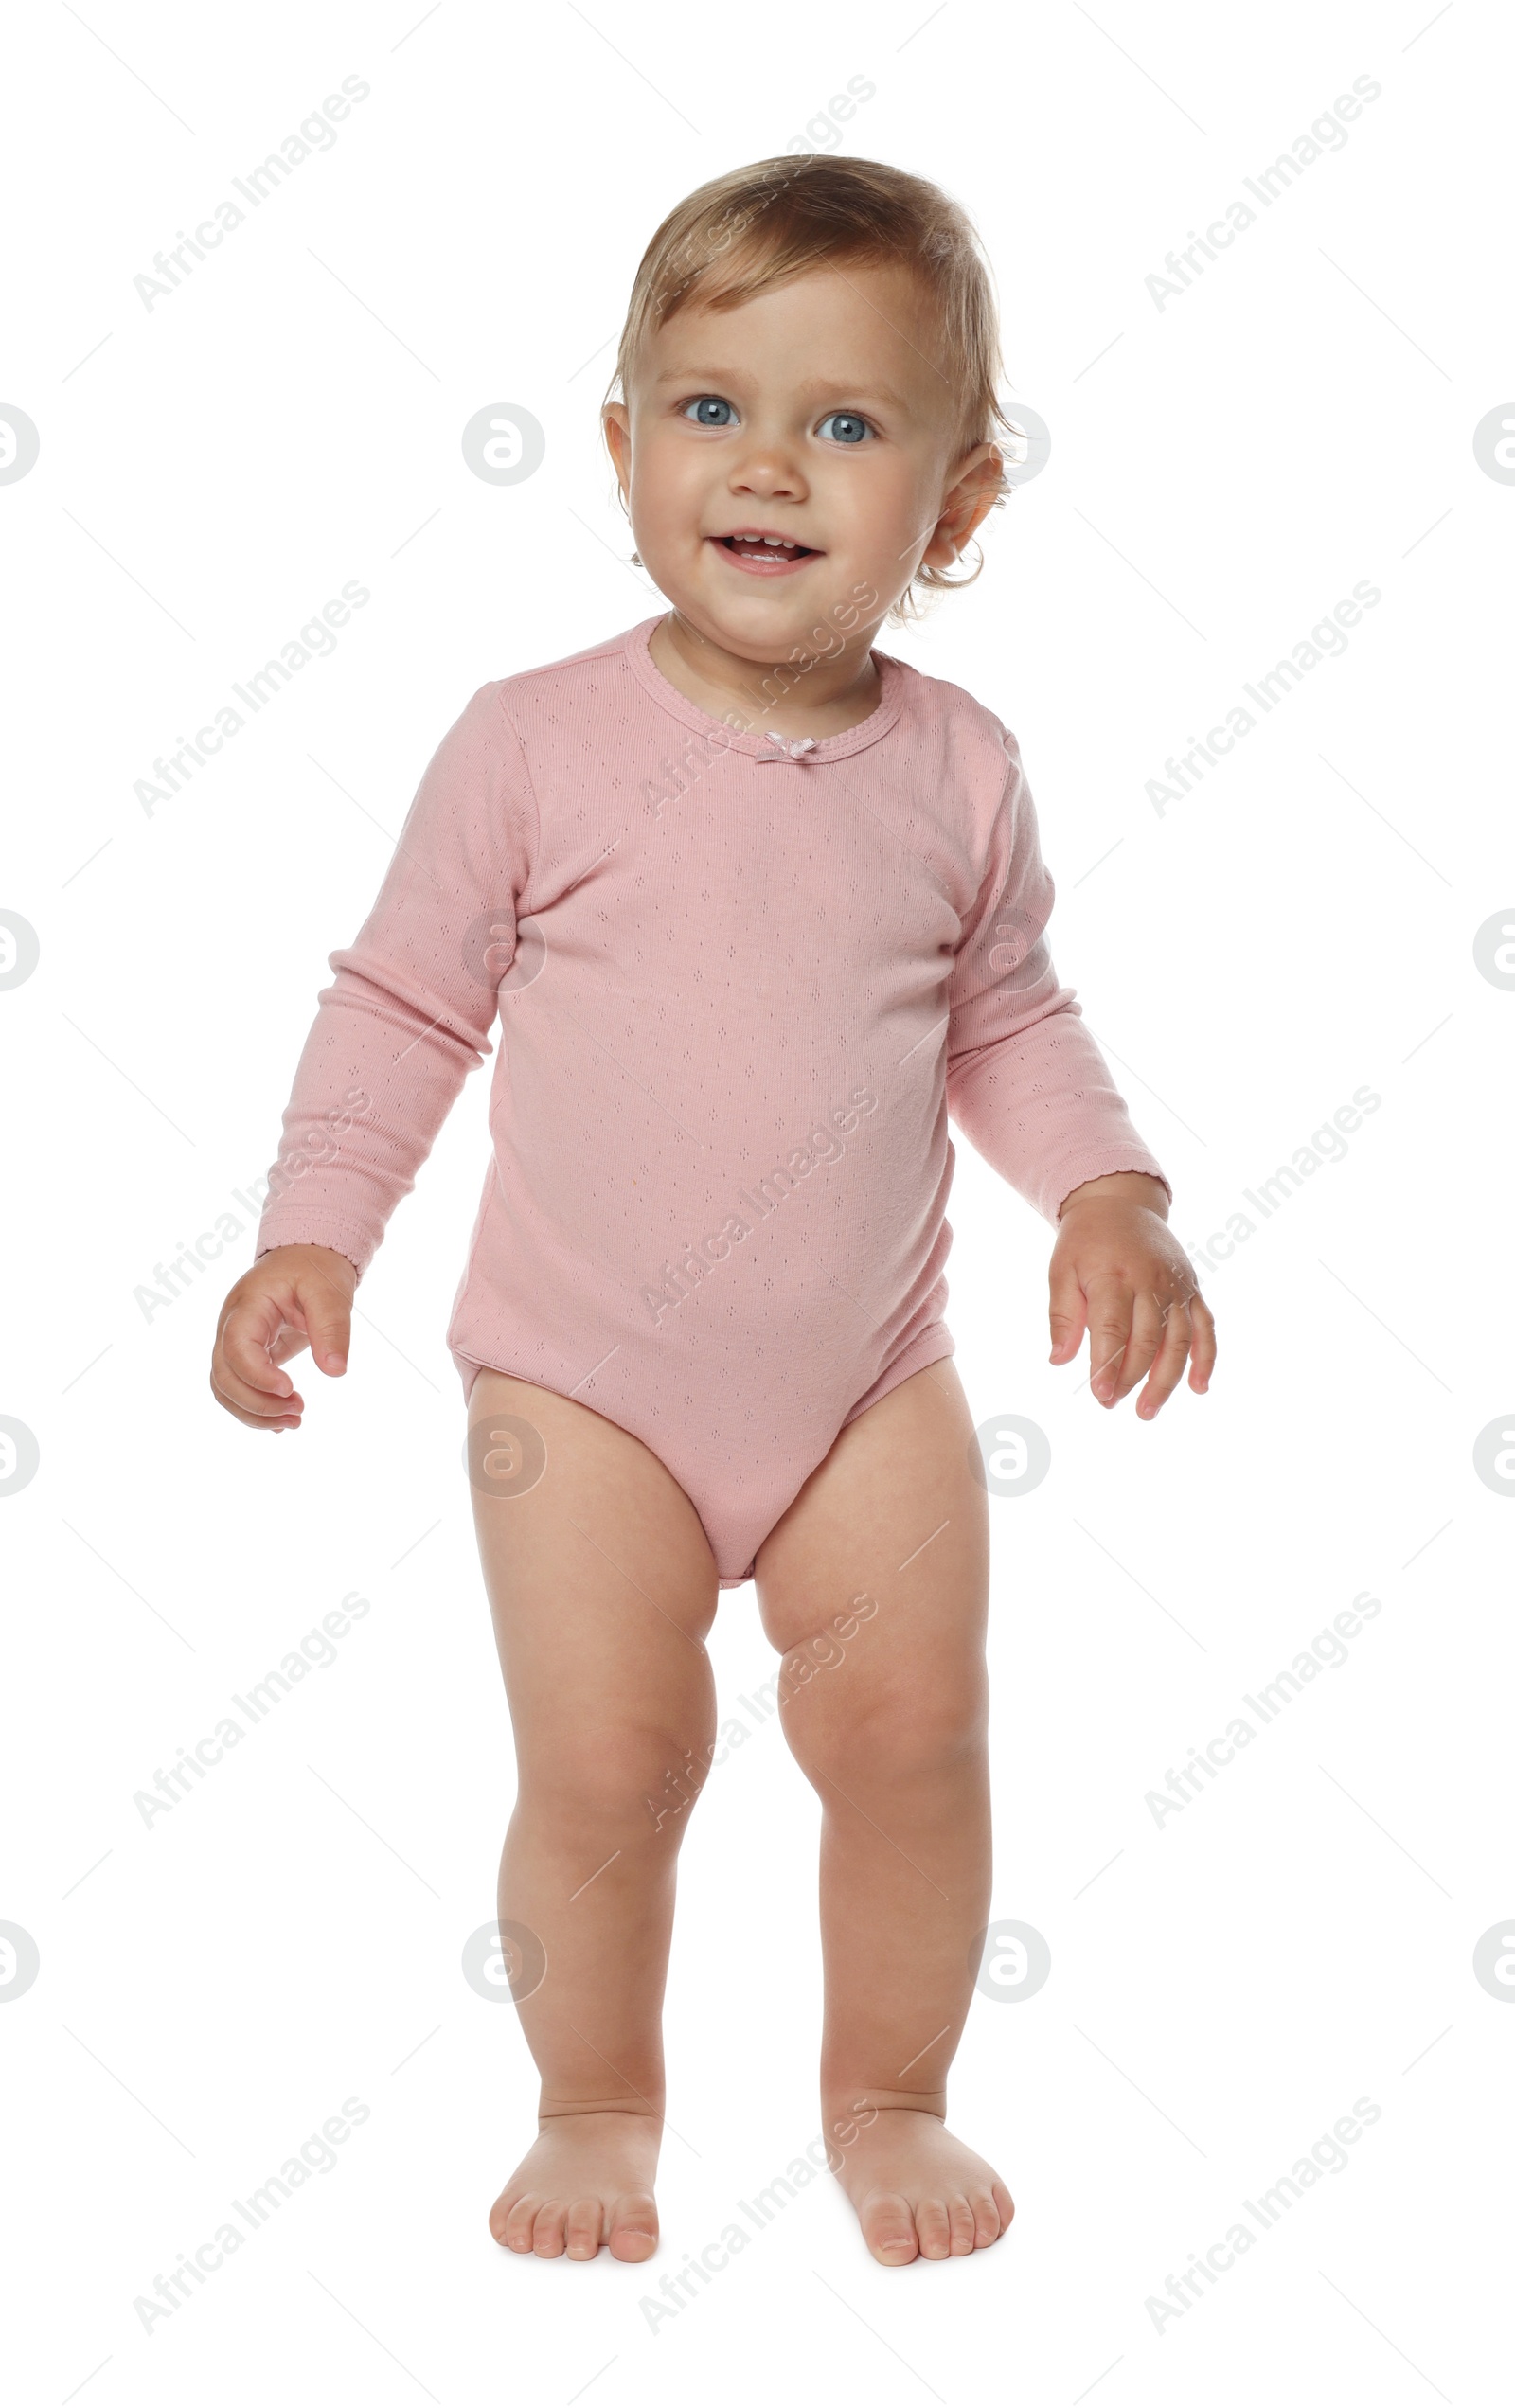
[756,906]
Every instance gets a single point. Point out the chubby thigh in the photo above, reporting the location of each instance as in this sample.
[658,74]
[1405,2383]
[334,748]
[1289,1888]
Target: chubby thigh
[600,1579]
[874,1585]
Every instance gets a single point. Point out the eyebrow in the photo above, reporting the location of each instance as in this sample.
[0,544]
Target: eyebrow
[817,388]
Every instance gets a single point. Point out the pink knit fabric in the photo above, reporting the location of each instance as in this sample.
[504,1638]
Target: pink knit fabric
[740,980]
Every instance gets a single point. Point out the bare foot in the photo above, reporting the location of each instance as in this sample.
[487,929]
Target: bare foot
[585,2179]
[920,2193]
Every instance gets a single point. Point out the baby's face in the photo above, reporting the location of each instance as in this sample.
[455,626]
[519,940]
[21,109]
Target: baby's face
[819,413]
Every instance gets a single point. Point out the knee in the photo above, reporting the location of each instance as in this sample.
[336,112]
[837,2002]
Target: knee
[634,1775]
[898,1734]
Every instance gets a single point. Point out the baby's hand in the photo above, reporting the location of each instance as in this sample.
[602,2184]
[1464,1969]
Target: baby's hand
[1118,1270]
[293,1296]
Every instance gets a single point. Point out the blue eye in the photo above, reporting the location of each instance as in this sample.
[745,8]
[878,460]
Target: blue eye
[707,402]
[852,429]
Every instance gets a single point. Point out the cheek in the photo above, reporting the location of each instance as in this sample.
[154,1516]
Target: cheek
[890,501]
[671,482]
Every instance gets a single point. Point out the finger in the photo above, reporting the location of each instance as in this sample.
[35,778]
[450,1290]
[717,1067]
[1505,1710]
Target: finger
[249,1330]
[1067,1313]
[244,1364]
[1202,1356]
[257,1401]
[327,1316]
[1169,1366]
[1143,1345]
[290,1340]
[1110,1303]
[264,1419]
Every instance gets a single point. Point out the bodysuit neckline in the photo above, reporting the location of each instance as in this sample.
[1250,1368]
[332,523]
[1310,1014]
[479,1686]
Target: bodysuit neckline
[754,740]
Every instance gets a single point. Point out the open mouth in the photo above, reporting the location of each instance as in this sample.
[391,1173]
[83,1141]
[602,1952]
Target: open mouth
[765,555]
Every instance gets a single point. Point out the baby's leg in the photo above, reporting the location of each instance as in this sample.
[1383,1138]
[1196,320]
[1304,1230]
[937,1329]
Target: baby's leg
[890,1536]
[602,1587]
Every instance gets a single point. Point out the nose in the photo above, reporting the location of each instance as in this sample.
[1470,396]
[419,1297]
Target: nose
[769,467]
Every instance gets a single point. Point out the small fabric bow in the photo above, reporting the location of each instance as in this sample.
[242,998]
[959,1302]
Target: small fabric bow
[790,748]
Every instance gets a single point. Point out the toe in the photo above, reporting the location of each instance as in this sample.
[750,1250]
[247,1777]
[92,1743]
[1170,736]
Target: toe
[963,2224]
[583,2228]
[889,2228]
[986,2219]
[1004,2203]
[517,2221]
[550,2222]
[633,2226]
[933,2228]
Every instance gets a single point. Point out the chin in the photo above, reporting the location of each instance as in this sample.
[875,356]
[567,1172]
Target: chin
[760,609]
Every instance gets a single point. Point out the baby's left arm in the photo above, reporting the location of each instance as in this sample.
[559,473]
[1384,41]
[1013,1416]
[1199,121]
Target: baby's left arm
[1027,1083]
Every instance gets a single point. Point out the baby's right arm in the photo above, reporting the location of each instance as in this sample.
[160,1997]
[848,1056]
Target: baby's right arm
[406,1018]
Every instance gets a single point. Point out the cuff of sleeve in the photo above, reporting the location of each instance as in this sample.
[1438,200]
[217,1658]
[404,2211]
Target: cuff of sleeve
[294,1227]
[1097,1163]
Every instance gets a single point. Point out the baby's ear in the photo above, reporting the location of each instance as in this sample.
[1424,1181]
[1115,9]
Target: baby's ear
[615,429]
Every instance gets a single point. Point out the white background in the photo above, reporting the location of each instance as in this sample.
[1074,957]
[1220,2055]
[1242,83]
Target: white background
[1223,470]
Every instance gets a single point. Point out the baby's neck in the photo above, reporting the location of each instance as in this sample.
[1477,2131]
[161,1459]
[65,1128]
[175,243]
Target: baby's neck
[825,699]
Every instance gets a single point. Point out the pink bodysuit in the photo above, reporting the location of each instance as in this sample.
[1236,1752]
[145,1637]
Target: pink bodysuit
[740,981]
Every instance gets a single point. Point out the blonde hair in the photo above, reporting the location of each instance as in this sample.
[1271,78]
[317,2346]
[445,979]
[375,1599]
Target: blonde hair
[764,224]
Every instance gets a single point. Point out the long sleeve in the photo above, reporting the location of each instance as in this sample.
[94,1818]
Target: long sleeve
[1025,1081]
[413,996]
